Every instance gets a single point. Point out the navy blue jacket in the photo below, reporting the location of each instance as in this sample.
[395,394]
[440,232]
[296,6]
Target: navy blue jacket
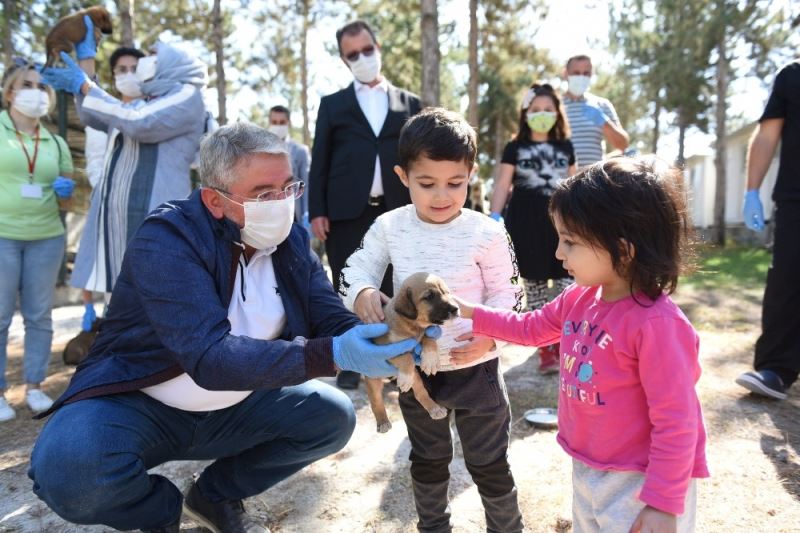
[169,312]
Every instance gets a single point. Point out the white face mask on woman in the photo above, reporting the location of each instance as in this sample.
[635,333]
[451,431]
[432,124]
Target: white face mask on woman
[128,85]
[267,224]
[33,103]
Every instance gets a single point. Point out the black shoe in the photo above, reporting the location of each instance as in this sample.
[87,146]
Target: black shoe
[172,528]
[763,382]
[222,517]
[348,379]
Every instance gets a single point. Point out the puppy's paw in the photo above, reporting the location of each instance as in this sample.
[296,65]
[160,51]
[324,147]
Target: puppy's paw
[430,362]
[437,412]
[384,427]
[405,381]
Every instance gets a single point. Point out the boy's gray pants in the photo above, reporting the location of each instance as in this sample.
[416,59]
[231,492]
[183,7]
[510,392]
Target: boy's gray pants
[478,400]
[608,501]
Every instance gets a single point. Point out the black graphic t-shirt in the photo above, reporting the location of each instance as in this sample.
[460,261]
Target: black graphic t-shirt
[539,166]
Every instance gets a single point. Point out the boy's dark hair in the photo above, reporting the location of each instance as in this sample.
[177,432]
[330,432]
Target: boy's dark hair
[560,130]
[439,135]
[281,109]
[124,51]
[641,200]
[353,28]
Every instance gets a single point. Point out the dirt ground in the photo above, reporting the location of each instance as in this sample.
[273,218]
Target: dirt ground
[753,449]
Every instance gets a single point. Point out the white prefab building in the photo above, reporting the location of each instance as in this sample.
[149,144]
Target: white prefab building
[702,181]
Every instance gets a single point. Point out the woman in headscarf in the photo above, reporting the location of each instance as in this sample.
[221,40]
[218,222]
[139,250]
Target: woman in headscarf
[152,143]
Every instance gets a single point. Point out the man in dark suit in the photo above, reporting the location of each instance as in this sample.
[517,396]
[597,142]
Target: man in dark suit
[351,181]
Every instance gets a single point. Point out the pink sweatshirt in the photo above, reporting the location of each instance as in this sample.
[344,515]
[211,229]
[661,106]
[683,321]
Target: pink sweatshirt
[627,400]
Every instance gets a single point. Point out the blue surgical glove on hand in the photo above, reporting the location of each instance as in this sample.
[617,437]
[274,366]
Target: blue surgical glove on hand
[63,187]
[354,351]
[753,211]
[496,216]
[594,115]
[89,316]
[68,79]
[87,48]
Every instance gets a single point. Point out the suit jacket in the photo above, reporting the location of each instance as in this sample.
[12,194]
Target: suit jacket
[343,156]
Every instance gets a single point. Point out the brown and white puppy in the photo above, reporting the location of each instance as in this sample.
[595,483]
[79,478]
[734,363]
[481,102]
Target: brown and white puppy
[422,300]
[71,30]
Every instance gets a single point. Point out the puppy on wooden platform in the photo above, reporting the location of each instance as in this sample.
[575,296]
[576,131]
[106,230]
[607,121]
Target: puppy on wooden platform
[70,30]
[422,300]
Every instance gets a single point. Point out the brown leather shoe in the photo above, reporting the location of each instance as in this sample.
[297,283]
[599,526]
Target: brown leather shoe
[221,517]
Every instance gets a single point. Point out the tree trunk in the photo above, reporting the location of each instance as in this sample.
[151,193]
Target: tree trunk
[720,157]
[499,143]
[681,160]
[656,126]
[126,9]
[304,70]
[472,87]
[218,40]
[8,30]
[430,53]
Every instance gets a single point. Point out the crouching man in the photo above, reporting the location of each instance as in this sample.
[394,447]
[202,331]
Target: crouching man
[217,325]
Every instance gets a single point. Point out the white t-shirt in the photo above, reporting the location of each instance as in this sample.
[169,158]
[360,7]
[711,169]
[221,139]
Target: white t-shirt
[472,254]
[256,310]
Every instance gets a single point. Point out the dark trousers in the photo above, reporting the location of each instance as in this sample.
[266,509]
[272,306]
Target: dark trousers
[778,347]
[478,400]
[90,462]
[345,237]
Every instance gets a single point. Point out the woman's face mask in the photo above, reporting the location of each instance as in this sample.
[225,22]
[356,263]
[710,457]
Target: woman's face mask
[541,121]
[33,103]
[128,84]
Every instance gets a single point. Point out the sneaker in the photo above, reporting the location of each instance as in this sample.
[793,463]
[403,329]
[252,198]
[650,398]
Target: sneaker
[548,359]
[6,412]
[37,400]
[763,382]
[222,517]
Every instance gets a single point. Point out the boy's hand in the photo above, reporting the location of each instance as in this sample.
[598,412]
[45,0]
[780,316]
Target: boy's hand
[472,351]
[651,520]
[369,306]
[465,307]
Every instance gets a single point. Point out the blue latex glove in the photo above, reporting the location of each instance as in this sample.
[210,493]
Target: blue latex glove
[496,216]
[63,187]
[67,79]
[87,48]
[432,332]
[753,211]
[89,316]
[354,351]
[594,115]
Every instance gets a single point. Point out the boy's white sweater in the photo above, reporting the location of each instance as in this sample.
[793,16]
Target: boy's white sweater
[472,253]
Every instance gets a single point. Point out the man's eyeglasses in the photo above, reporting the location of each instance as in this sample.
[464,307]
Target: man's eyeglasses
[367,51]
[293,190]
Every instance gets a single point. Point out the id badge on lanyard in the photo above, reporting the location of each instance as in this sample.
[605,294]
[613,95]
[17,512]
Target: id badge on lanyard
[30,190]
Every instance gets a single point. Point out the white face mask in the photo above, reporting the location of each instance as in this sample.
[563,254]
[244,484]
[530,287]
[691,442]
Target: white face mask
[33,103]
[128,85]
[578,85]
[267,224]
[366,68]
[281,130]
[146,68]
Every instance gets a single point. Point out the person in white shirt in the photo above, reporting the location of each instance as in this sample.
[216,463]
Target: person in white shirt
[474,256]
[351,181]
[590,117]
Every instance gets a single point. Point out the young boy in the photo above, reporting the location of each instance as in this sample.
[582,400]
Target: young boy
[474,256]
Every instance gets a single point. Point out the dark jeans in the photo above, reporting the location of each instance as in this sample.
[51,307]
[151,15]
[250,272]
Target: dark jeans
[345,238]
[90,462]
[477,397]
[778,347]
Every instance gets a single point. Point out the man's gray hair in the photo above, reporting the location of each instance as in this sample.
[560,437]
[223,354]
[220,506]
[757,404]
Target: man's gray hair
[221,151]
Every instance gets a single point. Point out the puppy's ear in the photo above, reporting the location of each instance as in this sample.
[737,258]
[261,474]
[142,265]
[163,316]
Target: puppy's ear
[404,305]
